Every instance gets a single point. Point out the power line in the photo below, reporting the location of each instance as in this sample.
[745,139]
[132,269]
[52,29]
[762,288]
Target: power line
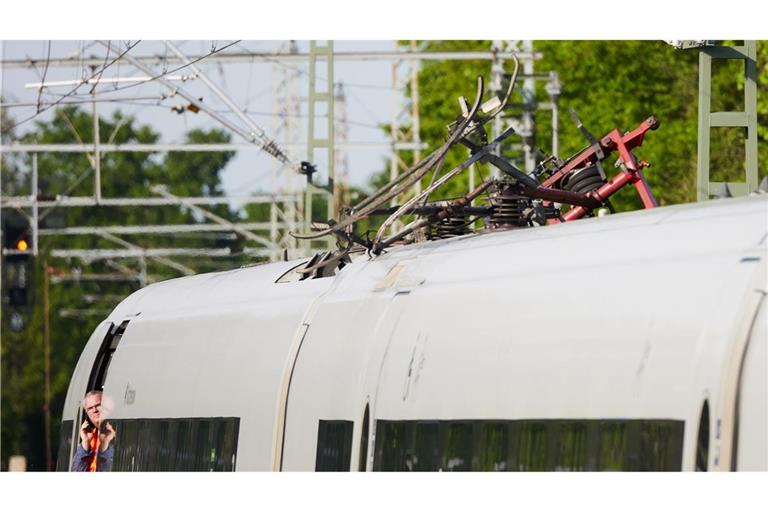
[322,79]
[245,57]
[77,101]
[136,102]
[98,79]
[163,74]
[45,73]
[40,111]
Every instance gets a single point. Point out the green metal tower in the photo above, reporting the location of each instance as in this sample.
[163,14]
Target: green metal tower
[317,138]
[746,119]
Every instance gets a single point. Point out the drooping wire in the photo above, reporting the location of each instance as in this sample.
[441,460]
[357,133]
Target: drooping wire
[74,89]
[98,79]
[161,75]
[45,73]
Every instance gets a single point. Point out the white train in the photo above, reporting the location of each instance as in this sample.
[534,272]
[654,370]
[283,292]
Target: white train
[629,342]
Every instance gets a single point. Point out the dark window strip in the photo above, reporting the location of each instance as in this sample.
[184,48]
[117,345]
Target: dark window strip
[529,445]
[334,445]
[175,444]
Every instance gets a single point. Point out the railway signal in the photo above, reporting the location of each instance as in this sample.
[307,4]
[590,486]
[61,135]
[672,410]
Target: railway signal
[18,275]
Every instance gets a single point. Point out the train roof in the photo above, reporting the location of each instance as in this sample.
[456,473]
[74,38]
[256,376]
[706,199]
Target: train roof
[688,229]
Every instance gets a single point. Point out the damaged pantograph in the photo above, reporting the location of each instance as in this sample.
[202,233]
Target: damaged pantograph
[556,191]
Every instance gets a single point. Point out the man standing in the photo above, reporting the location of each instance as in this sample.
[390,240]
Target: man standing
[94,452]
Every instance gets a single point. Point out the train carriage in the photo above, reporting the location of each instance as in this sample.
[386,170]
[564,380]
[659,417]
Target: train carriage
[632,342]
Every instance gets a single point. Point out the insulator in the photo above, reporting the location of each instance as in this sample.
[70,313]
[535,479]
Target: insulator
[450,227]
[583,180]
[271,148]
[508,210]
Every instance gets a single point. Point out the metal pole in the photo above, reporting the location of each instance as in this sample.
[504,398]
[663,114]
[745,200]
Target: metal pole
[323,55]
[554,88]
[201,148]
[415,120]
[273,231]
[471,179]
[96,154]
[160,190]
[102,80]
[497,71]
[47,366]
[333,198]
[165,261]
[142,271]
[529,95]
[394,103]
[555,129]
[79,201]
[35,209]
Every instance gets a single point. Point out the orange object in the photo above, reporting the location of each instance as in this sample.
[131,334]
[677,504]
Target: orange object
[94,450]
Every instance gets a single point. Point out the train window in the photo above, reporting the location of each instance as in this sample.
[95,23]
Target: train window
[125,445]
[206,449]
[492,450]
[613,446]
[532,446]
[161,437]
[363,461]
[426,448]
[661,445]
[150,446]
[334,445]
[392,446]
[65,445]
[702,441]
[529,445]
[571,446]
[184,451]
[457,450]
[182,444]
[104,357]
[230,433]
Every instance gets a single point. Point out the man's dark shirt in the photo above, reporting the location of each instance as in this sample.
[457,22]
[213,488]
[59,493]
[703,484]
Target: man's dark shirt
[82,456]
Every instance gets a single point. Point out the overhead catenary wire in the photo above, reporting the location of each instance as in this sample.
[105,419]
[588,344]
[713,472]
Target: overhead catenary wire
[275,60]
[98,78]
[262,141]
[156,77]
[76,101]
[74,89]
[268,144]
[403,181]
[45,73]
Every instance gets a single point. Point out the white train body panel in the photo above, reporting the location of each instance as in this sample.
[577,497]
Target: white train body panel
[639,315]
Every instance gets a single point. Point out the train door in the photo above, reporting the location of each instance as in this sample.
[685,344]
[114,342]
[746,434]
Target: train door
[751,433]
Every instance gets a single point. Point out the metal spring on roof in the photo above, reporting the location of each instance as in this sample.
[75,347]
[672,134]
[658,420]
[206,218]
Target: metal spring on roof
[450,227]
[508,211]
[583,180]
